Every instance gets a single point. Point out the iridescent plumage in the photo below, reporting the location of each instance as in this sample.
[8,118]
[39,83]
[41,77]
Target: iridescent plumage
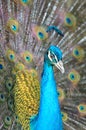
[23,42]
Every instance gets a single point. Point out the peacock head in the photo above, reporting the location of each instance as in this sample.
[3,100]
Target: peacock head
[53,57]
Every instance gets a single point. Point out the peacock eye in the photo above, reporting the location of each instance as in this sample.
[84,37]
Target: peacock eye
[53,57]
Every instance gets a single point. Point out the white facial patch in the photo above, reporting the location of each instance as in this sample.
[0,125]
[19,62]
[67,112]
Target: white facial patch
[54,58]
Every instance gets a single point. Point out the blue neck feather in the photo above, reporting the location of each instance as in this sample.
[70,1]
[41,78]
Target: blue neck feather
[49,116]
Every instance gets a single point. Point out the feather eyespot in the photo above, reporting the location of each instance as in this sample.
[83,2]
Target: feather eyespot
[33,72]
[7,121]
[10,104]
[16,118]
[78,53]
[2,97]
[18,67]
[82,109]
[64,116]
[61,94]
[9,84]
[70,20]
[27,56]
[11,55]
[12,26]
[23,2]
[74,76]
[2,66]
[40,33]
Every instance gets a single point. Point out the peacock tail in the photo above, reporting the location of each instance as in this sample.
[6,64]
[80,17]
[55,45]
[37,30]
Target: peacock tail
[27,29]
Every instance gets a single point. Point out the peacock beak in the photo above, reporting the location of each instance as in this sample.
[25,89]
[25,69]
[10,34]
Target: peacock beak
[60,66]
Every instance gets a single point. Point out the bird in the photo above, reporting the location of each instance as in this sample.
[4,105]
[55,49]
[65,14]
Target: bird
[35,34]
[49,105]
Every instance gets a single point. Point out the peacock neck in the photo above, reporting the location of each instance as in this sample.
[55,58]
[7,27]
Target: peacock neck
[47,73]
[49,116]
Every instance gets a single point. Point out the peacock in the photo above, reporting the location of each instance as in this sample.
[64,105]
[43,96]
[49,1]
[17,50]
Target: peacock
[35,36]
[49,108]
